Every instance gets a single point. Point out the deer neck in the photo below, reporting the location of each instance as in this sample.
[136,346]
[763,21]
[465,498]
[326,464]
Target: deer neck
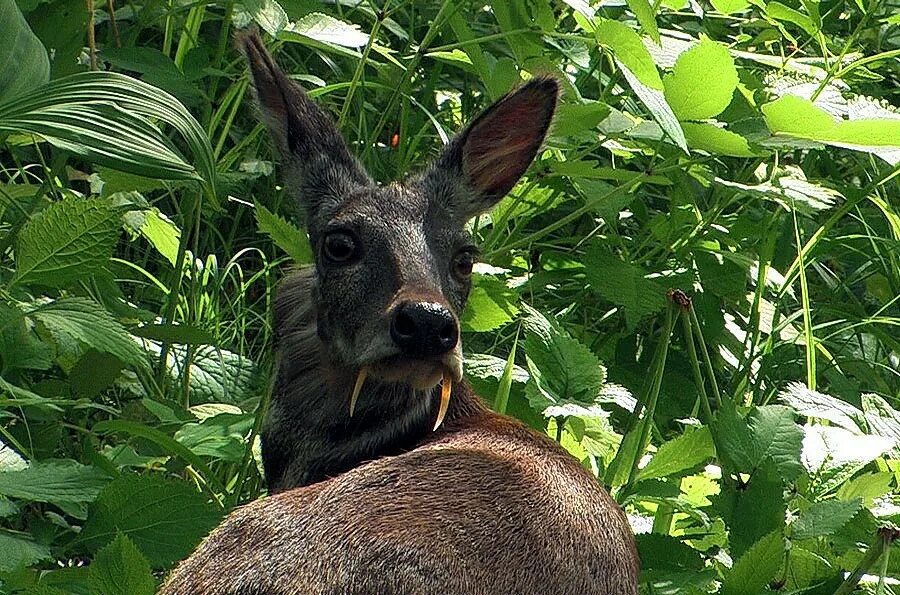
[310,434]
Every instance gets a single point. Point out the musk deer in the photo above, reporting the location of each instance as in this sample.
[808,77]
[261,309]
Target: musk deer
[387,474]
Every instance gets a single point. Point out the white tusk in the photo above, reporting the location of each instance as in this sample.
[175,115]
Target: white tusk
[360,379]
[446,386]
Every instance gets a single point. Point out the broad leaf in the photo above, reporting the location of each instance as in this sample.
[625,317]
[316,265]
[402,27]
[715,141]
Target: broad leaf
[78,323]
[56,482]
[491,305]
[821,406]
[223,436]
[69,240]
[625,285]
[713,139]
[768,433]
[120,569]
[753,571]
[268,14]
[327,29]
[17,552]
[681,454]
[284,234]
[751,509]
[691,91]
[628,48]
[824,518]
[165,519]
[23,59]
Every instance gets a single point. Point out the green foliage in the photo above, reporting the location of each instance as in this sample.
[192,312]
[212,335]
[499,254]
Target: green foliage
[713,220]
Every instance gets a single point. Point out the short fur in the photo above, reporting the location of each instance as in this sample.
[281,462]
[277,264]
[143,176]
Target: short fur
[378,503]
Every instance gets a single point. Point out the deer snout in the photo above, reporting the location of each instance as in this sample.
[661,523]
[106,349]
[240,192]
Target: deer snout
[423,329]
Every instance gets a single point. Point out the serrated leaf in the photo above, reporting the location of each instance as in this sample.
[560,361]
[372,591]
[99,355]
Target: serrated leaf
[165,519]
[284,234]
[10,460]
[629,50]
[69,240]
[562,369]
[17,552]
[713,139]
[482,365]
[79,321]
[681,454]
[327,29]
[19,346]
[655,101]
[644,13]
[24,64]
[818,405]
[268,14]
[690,90]
[833,455]
[625,285]
[222,436]
[120,569]
[751,509]
[882,419]
[491,305]
[574,119]
[666,552]
[162,234]
[753,571]
[215,375]
[768,433]
[824,518]
[57,482]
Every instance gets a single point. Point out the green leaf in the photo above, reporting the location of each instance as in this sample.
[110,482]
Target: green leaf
[824,518]
[796,117]
[17,551]
[93,372]
[666,552]
[215,375]
[165,519]
[753,571]
[574,119]
[327,29]
[751,509]
[57,482]
[818,405]
[768,433]
[833,455]
[630,51]
[79,322]
[223,436]
[867,487]
[120,569]
[681,454]
[691,91]
[730,6]
[23,60]
[491,305]
[625,285]
[268,14]
[781,12]
[286,235]
[644,13]
[703,136]
[562,369]
[69,240]
[10,460]
[110,119]
[162,234]
[19,346]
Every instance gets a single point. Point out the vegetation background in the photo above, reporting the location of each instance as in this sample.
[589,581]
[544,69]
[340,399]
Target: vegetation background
[696,290]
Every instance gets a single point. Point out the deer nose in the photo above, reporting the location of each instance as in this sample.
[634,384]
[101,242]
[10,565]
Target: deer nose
[423,329]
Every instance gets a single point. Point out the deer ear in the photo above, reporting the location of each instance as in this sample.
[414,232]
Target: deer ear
[307,139]
[493,152]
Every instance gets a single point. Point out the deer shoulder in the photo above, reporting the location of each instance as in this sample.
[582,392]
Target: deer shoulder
[386,473]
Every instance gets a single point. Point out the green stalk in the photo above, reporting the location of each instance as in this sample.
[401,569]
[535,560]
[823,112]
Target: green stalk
[886,536]
[502,399]
[695,367]
[710,372]
[807,316]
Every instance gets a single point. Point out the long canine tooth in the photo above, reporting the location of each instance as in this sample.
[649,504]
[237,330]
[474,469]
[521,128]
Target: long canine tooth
[446,386]
[360,379]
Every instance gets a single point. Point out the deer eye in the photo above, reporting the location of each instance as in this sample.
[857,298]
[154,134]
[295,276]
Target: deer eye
[339,247]
[462,264]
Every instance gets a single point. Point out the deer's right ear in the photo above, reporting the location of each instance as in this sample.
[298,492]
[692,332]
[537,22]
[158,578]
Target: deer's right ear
[307,139]
[493,152]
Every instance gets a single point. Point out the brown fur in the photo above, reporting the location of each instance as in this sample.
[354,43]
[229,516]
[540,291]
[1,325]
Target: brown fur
[378,503]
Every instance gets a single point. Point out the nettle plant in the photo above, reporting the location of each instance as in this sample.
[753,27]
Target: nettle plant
[713,221]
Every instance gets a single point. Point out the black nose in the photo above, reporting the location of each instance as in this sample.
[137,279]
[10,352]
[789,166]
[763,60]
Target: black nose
[423,329]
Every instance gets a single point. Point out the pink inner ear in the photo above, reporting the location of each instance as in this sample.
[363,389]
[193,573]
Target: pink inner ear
[502,145]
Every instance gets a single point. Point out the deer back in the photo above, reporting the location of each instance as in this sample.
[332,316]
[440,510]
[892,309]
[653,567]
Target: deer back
[386,473]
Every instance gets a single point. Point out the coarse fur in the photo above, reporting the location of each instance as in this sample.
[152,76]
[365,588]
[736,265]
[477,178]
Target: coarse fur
[379,502]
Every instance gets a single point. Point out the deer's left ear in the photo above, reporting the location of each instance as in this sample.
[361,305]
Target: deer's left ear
[490,155]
